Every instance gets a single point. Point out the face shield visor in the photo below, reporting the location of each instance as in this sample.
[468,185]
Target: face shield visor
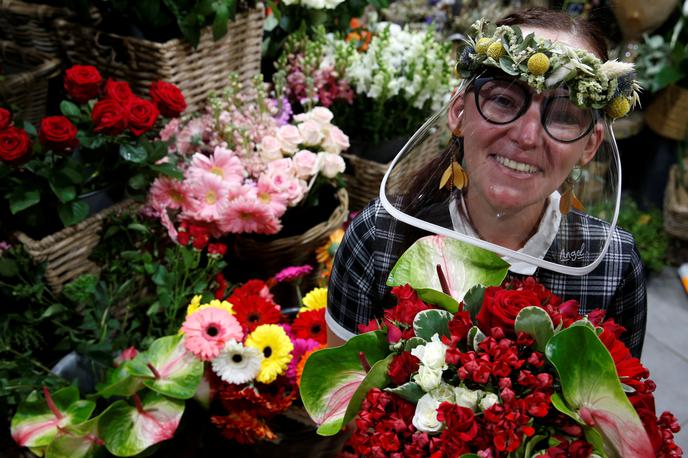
[526,174]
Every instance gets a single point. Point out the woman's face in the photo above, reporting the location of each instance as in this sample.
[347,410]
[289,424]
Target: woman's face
[515,165]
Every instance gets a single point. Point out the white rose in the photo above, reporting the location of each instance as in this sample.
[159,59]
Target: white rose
[315,4]
[321,115]
[467,398]
[311,133]
[331,164]
[305,164]
[444,392]
[270,148]
[432,353]
[428,378]
[488,401]
[289,138]
[425,416]
[335,141]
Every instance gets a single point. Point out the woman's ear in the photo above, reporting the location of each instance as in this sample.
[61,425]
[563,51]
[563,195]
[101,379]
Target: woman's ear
[592,144]
[455,112]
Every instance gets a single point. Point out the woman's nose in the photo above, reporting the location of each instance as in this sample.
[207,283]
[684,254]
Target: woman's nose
[527,130]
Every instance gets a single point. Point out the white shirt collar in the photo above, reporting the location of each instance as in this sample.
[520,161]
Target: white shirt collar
[537,246]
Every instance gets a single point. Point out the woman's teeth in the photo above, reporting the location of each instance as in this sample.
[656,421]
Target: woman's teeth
[518,166]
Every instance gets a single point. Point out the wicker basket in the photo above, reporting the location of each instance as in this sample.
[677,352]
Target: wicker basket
[676,206]
[66,252]
[31,26]
[25,85]
[666,115]
[197,72]
[363,177]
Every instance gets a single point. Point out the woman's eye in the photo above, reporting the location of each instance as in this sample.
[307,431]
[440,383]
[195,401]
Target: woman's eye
[502,101]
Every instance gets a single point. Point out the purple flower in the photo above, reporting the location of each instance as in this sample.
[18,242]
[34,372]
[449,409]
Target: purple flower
[301,347]
[292,273]
[284,114]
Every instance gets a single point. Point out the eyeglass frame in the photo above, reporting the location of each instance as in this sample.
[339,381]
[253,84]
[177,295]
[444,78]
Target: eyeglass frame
[479,81]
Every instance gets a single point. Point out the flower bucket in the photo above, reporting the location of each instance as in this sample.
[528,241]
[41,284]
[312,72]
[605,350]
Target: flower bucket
[676,206]
[666,115]
[196,71]
[66,252]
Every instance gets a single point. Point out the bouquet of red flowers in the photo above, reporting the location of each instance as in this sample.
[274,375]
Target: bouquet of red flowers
[461,369]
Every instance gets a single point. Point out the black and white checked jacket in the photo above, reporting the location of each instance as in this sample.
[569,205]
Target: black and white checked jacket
[373,242]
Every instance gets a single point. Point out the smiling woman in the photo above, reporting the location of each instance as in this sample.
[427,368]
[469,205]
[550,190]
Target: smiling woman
[528,129]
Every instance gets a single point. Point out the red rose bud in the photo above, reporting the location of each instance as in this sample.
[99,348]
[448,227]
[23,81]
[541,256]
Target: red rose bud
[217,248]
[57,133]
[109,117]
[141,115]
[15,146]
[82,83]
[168,98]
[183,238]
[119,91]
[5,119]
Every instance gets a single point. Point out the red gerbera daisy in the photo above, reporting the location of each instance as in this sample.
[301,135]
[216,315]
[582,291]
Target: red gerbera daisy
[310,324]
[252,311]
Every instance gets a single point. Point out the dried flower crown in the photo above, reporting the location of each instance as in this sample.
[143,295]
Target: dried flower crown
[544,64]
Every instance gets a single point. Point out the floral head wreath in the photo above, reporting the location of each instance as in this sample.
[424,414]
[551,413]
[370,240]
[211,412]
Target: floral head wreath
[544,64]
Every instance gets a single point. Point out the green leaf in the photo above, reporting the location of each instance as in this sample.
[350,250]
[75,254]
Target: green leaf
[507,65]
[8,267]
[473,300]
[463,266]
[128,431]
[474,337]
[73,212]
[220,20]
[413,342]
[138,181]
[119,382]
[63,190]
[53,310]
[131,153]
[331,377]
[410,391]
[531,443]
[21,199]
[35,424]
[375,378]
[69,109]
[179,371]
[535,322]
[76,441]
[168,169]
[427,323]
[591,388]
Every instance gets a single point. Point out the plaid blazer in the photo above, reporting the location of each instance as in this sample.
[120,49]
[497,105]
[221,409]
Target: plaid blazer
[373,242]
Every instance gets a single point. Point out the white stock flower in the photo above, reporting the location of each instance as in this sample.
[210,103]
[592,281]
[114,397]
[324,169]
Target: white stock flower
[428,379]
[236,363]
[488,401]
[432,353]
[425,416]
[467,398]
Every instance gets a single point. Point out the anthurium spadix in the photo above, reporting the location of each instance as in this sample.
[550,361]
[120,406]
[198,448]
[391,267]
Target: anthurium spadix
[592,393]
[38,419]
[442,270]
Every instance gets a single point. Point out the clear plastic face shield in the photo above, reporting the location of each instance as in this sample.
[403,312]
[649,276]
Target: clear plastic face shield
[527,175]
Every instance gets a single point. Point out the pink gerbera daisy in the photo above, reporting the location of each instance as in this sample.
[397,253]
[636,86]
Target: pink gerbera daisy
[269,196]
[223,163]
[209,196]
[208,330]
[166,192]
[244,215]
[292,273]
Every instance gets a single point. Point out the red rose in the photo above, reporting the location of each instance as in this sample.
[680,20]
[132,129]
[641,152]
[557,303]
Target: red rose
[14,145]
[500,308]
[57,133]
[5,118]
[217,248]
[82,83]
[141,115]
[168,98]
[401,368]
[109,117]
[118,90]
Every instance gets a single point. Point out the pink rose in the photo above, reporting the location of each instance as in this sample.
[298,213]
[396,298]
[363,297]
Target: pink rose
[331,164]
[321,115]
[290,138]
[336,141]
[270,148]
[291,188]
[305,164]
[284,165]
[311,133]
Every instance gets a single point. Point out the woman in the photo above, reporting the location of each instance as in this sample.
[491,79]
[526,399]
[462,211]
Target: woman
[524,126]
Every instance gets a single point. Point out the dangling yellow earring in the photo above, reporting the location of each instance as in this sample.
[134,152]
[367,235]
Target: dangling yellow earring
[568,198]
[459,177]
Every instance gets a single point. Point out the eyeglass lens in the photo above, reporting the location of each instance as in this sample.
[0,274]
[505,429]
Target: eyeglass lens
[501,101]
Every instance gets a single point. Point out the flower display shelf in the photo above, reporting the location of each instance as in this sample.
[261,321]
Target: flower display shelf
[67,251]
[363,176]
[25,84]
[196,71]
[676,206]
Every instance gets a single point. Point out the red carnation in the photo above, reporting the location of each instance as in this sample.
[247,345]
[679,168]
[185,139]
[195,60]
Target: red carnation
[82,83]
[109,117]
[5,119]
[119,91]
[15,146]
[401,368]
[168,98]
[58,134]
[141,115]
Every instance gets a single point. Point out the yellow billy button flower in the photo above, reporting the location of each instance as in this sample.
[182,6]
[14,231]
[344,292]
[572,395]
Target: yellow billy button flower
[273,342]
[495,50]
[482,45]
[538,64]
[618,107]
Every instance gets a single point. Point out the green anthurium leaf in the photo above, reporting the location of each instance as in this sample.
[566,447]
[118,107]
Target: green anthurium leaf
[537,323]
[430,322]
[559,404]
[73,212]
[530,445]
[168,368]
[119,382]
[413,342]
[591,387]
[473,300]
[77,441]
[462,265]
[595,438]
[130,429]
[331,377]
[410,391]
[474,337]
[375,378]
[37,419]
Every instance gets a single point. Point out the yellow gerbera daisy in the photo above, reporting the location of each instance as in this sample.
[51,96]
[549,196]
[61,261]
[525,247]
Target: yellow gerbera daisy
[276,347]
[193,305]
[327,251]
[314,300]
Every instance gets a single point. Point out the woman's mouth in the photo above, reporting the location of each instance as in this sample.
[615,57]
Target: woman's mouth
[515,165]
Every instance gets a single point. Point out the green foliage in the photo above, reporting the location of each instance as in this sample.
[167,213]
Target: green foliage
[647,228]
